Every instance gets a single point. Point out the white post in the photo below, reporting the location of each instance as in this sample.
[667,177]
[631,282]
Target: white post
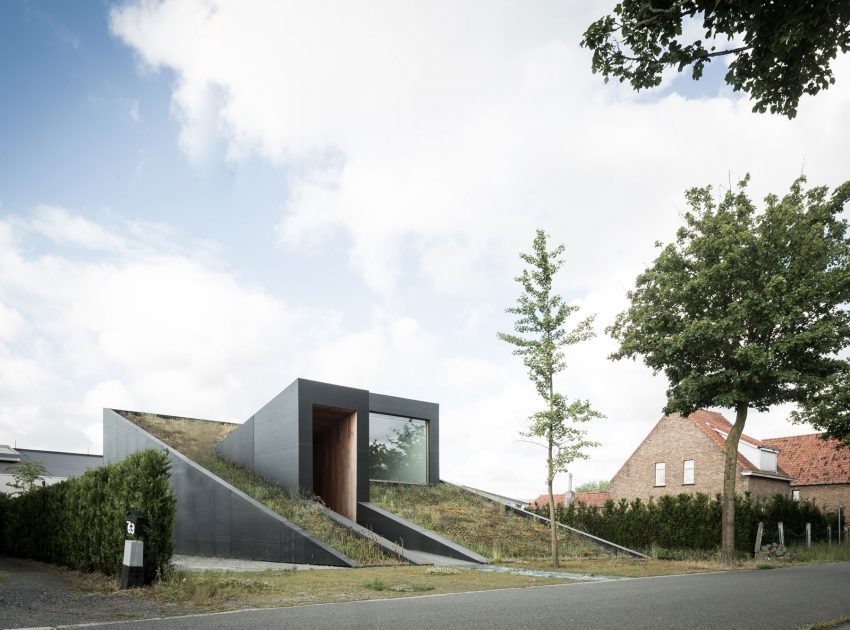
[839,521]
[132,571]
[808,535]
[759,533]
[781,534]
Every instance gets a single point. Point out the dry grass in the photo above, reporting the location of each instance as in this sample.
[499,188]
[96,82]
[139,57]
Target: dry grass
[275,588]
[197,439]
[477,523]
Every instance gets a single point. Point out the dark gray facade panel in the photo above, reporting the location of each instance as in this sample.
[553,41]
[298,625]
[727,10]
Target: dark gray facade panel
[214,518]
[238,447]
[411,536]
[257,537]
[275,432]
[395,406]
[285,464]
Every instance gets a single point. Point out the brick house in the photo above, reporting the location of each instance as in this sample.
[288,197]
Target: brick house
[820,470]
[597,499]
[688,455]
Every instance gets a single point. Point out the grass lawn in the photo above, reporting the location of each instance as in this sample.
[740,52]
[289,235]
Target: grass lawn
[196,439]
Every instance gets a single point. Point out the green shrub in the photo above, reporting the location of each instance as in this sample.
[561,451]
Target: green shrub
[692,521]
[80,522]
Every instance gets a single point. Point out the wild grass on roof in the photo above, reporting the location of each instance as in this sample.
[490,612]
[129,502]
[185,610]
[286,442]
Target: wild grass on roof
[477,523]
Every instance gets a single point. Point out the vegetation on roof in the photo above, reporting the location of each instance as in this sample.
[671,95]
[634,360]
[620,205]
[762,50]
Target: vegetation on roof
[477,523]
[197,439]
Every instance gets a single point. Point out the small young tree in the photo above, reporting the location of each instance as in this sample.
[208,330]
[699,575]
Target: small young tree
[747,309]
[541,335]
[27,475]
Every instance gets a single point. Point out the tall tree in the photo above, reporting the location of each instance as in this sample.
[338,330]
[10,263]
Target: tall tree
[747,309]
[541,335]
[781,49]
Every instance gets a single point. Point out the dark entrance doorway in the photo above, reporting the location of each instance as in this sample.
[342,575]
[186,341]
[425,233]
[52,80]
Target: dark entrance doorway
[335,458]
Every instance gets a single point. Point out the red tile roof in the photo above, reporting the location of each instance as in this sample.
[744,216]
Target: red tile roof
[812,460]
[588,498]
[709,422]
[592,498]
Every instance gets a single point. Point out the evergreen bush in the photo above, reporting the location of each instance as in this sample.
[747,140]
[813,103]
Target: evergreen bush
[692,521]
[80,522]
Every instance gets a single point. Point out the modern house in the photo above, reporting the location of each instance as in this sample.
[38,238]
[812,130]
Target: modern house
[59,465]
[820,469]
[688,455]
[317,439]
[329,441]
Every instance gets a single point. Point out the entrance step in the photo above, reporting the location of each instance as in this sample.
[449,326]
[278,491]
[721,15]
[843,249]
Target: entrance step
[424,558]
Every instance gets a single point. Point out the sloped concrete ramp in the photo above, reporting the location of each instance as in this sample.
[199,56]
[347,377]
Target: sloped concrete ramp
[412,536]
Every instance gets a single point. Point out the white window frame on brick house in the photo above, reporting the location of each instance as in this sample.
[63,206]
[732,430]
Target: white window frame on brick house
[688,472]
[795,495]
[660,474]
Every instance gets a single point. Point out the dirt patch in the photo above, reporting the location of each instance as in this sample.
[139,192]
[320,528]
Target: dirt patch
[36,594]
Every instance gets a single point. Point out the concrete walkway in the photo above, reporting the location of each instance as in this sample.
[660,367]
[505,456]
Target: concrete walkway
[203,563]
[421,557]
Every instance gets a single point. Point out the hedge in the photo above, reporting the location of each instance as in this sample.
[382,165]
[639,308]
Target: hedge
[80,522]
[693,521]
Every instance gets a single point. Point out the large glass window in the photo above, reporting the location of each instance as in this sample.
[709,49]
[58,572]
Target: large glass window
[398,448]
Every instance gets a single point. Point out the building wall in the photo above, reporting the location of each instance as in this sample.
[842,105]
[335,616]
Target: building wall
[672,441]
[826,496]
[762,487]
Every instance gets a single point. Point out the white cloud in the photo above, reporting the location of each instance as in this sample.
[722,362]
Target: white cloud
[65,228]
[435,137]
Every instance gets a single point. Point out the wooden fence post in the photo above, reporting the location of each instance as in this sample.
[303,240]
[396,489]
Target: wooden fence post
[759,533]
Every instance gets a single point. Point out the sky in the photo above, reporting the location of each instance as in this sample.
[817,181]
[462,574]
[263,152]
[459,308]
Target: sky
[202,200]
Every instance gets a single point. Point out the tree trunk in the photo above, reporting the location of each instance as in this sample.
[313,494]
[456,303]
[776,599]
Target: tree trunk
[553,525]
[730,475]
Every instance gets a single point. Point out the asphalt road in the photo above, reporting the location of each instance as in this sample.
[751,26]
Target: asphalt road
[751,600]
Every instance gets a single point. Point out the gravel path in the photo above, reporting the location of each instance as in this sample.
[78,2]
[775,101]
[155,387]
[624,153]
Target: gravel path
[36,595]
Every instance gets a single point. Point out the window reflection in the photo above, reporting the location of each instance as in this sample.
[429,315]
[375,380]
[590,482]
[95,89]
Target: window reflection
[398,449]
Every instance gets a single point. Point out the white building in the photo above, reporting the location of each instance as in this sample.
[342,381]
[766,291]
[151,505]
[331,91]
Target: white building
[59,466]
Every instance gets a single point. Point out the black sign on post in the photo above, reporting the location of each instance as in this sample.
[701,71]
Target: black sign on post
[135,525]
